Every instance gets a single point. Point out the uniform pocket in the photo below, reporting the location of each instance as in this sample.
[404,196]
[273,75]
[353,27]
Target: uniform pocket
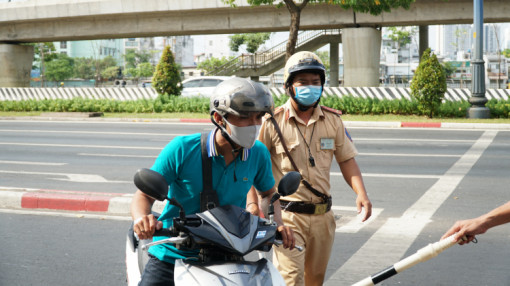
[324,156]
[282,157]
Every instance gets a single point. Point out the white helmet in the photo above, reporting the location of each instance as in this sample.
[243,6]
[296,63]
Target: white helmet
[303,62]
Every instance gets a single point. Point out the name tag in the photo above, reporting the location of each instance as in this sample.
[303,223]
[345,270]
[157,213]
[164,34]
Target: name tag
[327,143]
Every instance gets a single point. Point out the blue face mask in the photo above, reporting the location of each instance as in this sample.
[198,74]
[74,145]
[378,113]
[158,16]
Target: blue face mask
[307,95]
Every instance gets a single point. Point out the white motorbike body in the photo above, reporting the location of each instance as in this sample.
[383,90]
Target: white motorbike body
[221,235]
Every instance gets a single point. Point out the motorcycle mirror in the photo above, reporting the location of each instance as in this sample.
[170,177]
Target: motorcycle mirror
[289,183]
[151,183]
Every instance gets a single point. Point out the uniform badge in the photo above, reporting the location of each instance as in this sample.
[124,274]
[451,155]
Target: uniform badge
[327,143]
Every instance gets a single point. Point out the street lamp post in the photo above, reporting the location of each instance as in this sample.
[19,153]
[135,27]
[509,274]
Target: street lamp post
[478,99]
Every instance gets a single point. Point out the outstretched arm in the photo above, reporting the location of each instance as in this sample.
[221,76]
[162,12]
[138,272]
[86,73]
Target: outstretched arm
[479,225]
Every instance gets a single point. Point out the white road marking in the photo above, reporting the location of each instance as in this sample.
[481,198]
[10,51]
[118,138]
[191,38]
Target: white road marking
[399,176]
[116,155]
[80,146]
[80,178]
[68,214]
[421,140]
[92,132]
[409,155]
[134,121]
[31,163]
[354,225]
[390,242]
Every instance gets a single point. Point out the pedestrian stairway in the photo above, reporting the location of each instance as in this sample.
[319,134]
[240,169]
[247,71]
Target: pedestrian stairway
[269,61]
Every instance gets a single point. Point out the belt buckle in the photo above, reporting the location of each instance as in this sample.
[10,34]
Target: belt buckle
[320,208]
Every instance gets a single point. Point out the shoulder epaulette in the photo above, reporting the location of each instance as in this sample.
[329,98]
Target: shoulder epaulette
[332,110]
[276,111]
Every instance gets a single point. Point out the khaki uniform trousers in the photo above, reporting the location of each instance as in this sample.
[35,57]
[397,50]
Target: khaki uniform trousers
[316,234]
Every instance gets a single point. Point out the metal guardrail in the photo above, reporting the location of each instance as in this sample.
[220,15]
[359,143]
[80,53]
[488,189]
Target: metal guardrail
[260,59]
[34,93]
[123,94]
[452,94]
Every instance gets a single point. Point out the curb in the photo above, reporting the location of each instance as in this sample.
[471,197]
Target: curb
[41,199]
[76,201]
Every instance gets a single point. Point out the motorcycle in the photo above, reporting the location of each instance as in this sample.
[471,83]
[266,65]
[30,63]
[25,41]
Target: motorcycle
[223,236]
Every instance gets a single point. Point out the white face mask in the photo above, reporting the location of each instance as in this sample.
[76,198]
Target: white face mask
[244,136]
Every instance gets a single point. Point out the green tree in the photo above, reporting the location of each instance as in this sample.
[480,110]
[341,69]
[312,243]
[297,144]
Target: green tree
[59,69]
[374,7]
[43,53]
[101,65]
[167,78]
[133,57]
[252,41]
[145,70]
[401,35]
[84,68]
[211,64]
[132,72]
[110,73]
[429,84]
[449,69]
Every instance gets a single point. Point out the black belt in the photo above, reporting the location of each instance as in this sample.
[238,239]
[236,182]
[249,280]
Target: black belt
[306,208]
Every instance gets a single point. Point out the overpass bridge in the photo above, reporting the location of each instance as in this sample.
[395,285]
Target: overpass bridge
[69,20]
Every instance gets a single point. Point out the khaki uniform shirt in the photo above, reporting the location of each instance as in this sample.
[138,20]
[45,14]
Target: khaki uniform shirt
[330,139]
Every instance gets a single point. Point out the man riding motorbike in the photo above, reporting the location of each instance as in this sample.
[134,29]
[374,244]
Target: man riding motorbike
[238,162]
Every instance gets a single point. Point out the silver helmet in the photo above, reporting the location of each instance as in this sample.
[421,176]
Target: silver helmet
[240,96]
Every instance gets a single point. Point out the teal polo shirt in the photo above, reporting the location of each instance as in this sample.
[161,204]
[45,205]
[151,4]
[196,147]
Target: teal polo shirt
[180,163]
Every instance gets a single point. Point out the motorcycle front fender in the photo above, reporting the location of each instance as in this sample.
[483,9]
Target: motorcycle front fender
[261,272]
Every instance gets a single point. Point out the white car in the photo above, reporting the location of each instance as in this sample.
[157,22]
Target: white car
[201,86]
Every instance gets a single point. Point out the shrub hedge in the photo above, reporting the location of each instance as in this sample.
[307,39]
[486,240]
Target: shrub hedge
[347,104]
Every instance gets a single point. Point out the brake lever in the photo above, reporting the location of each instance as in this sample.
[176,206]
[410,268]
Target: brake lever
[175,240]
[279,242]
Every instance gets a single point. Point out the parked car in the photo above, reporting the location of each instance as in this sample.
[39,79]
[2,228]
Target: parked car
[201,86]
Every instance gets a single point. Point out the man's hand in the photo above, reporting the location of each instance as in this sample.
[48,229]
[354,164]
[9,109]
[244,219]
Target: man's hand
[287,236]
[466,230]
[145,226]
[253,208]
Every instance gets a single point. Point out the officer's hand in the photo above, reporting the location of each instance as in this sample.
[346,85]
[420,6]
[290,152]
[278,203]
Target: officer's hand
[287,236]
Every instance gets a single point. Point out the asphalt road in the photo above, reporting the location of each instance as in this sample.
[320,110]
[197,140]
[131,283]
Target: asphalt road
[419,180]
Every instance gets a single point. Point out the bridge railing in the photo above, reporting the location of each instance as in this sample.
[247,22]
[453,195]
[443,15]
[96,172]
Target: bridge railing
[260,59]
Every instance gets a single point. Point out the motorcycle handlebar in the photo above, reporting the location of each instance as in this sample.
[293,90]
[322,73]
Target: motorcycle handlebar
[165,232]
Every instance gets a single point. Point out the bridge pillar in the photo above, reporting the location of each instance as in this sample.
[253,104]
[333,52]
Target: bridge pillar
[16,64]
[333,64]
[362,53]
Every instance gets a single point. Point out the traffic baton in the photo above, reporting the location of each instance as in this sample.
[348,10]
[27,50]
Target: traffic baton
[423,254]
